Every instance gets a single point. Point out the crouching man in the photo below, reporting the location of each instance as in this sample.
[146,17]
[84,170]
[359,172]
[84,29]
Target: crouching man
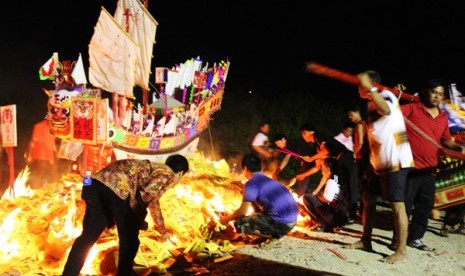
[276,210]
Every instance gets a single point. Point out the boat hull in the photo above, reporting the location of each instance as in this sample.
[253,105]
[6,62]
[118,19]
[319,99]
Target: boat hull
[187,149]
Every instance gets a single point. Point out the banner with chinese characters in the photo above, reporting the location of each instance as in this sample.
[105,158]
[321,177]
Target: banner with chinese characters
[84,120]
[8,125]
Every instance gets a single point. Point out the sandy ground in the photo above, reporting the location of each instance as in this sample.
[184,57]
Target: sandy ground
[306,252]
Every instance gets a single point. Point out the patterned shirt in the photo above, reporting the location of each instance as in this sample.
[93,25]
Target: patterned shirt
[127,177]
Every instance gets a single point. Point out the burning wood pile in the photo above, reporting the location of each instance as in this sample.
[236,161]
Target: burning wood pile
[37,227]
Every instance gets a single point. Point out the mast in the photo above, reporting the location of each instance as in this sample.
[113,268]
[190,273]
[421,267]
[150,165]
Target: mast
[145,91]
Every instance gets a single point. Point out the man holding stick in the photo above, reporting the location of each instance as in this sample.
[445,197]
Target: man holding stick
[391,159]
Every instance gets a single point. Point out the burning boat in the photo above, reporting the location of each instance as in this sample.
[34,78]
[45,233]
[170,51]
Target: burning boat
[108,122]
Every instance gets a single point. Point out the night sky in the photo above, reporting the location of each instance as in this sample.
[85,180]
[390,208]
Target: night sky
[267,43]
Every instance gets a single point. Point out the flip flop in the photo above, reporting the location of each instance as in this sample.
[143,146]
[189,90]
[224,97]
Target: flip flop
[424,247]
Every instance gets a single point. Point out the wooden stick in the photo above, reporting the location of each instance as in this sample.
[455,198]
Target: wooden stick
[353,80]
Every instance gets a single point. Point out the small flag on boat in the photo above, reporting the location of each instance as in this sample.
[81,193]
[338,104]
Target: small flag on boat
[78,74]
[46,72]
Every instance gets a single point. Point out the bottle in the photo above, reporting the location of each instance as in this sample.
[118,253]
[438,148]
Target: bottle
[87,181]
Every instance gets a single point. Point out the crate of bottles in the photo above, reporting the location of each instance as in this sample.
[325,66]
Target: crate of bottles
[450,183]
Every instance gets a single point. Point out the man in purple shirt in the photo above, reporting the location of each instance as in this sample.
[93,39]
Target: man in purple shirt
[278,210]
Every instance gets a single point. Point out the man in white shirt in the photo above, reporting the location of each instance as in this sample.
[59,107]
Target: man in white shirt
[345,137]
[391,159]
[261,145]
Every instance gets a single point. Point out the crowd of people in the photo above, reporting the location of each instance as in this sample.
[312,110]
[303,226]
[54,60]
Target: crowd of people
[392,154]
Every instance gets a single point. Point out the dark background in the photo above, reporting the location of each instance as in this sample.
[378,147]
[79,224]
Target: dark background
[268,45]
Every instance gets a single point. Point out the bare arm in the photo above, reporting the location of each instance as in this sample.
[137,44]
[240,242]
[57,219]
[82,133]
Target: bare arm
[157,216]
[359,128]
[263,152]
[240,212]
[321,184]
[284,162]
[451,144]
[366,92]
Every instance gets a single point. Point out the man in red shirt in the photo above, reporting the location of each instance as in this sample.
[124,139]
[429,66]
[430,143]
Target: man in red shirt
[433,123]
[42,157]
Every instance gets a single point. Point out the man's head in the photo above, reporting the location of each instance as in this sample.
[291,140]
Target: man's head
[330,166]
[368,78]
[374,76]
[264,127]
[252,162]
[307,131]
[433,93]
[347,130]
[354,113]
[177,163]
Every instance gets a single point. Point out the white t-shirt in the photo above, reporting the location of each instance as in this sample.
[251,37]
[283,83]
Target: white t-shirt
[389,146]
[332,189]
[260,140]
[346,141]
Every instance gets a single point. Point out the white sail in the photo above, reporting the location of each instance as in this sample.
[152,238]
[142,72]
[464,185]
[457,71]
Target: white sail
[139,23]
[78,73]
[112,57]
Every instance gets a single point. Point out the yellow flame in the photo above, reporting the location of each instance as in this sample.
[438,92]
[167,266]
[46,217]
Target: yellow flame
[19,186]
[9,245]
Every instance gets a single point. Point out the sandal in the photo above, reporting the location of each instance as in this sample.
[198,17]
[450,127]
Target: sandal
[424,247]
[420,246]
[459,229]
[444,232]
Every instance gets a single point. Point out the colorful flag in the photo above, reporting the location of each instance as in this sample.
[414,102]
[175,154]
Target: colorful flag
[46,72]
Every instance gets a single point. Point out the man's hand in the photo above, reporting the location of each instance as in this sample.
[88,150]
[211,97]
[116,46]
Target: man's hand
[165,234]
[300,177]
[400,87]
[224,220]
[308,159]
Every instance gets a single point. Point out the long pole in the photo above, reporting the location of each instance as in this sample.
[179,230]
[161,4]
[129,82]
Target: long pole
[329,72]
[351,79]
[144,90]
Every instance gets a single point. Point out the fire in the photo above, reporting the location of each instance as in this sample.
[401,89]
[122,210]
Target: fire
[10,245]
[19,186]
[37,227]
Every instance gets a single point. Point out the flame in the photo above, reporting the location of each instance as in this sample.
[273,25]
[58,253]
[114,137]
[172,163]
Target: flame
[39,226]
[10,245]
[19,186]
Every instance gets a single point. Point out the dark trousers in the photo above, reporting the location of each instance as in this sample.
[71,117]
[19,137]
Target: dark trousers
[104,208]
[421,190]
[454,215]
[319,211]
[348,186]
[262,225]
[300,187]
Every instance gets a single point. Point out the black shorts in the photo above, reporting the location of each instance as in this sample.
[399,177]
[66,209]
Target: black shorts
[391,186]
